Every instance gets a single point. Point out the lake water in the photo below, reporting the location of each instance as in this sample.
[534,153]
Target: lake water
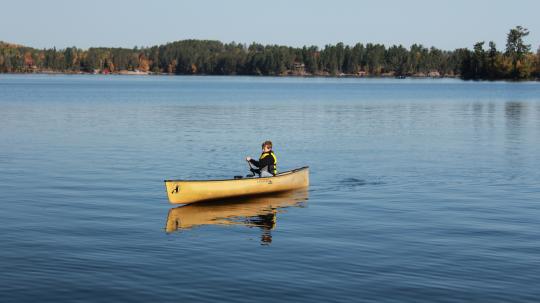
[421,190]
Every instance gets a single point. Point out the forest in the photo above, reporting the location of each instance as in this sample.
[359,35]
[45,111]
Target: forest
[207,57]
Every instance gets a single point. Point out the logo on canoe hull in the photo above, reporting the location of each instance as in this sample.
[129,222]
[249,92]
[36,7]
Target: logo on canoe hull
[176,189]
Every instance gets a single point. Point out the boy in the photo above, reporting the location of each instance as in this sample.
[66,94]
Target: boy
[267,164]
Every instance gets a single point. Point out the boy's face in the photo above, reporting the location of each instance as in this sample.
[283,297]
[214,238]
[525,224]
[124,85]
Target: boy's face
[266,148]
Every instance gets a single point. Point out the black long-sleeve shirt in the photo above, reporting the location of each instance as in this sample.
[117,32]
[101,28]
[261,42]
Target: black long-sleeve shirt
[266,160]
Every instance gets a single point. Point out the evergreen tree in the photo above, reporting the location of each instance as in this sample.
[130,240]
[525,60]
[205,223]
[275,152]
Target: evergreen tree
[516,49]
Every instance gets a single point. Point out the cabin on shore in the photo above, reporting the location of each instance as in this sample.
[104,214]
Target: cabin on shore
[361,73]
[299,68]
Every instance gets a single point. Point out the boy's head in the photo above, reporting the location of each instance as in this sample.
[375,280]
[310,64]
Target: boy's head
[267,146]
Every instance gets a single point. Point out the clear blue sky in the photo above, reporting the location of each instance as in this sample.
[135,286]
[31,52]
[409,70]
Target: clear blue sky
[441,23]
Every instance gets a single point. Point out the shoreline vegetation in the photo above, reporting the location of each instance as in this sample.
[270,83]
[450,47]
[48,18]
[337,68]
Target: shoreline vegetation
[208,57]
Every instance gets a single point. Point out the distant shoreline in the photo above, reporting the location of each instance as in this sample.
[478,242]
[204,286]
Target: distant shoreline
[343,76]
[211,57]
[239,75]
[306,75]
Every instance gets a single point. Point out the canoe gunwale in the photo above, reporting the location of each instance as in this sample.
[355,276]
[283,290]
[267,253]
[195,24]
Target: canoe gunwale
[278,175]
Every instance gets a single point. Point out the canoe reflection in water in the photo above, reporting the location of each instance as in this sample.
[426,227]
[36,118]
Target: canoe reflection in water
[259,211]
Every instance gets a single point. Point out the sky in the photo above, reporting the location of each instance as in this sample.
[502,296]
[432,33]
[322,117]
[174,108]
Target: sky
[122,23]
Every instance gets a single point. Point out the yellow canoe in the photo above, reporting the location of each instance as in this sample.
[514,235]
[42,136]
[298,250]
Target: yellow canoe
[186,191]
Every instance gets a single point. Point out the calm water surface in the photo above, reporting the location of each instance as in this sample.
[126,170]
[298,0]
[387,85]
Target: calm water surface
[422,190]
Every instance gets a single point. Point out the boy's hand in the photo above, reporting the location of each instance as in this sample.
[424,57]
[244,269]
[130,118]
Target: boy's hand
[248,158]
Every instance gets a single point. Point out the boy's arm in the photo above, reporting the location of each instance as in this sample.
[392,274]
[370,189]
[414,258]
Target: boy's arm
[255,162]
